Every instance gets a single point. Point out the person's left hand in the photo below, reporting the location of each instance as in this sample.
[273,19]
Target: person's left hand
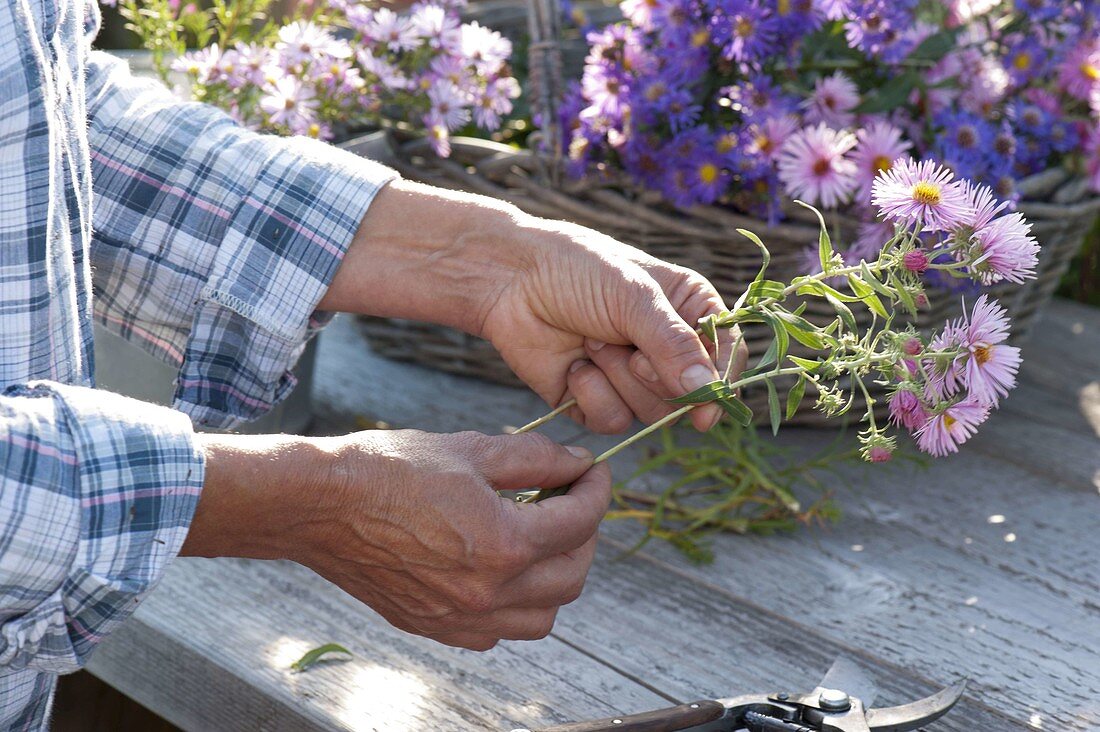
[592,318]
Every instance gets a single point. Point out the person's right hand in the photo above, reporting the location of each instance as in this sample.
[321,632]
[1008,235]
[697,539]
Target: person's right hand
[411,524]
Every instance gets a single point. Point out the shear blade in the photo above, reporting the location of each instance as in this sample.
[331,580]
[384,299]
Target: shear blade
[916,714]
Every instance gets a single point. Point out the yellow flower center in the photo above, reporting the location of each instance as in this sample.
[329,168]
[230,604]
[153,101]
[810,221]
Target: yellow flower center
[708,172]
[655,91]
[763,143]
[725,143]
[700,37]
[948,420]
[881,163]
[927,193]
[983,354]
[743,27]
[1022,62]
[1090,71]
[783,7]
[315,130]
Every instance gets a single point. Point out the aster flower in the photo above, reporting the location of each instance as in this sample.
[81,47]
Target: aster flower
[290,103]
[832,101]
[746,29]
[644,14]
[1025,59]
[945,431]
[757,96]
[393,30]
[921,192]
[484,47]
[907,410]
[813,166]
[1079,73]
[768,138]
[1003,249]
[878,146]
[434,24]
[302,41]
[494,101]
[991,365]
[448,105]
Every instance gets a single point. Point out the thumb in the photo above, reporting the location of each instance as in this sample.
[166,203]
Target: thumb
[675,351]
[516,462]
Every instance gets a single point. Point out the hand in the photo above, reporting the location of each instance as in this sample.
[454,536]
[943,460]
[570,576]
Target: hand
[548,295]
[410,523]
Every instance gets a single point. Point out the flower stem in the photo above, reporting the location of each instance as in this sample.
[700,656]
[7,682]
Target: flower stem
[564,406]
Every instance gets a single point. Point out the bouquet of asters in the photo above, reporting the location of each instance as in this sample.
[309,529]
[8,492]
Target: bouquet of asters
[748,102]
[334,66]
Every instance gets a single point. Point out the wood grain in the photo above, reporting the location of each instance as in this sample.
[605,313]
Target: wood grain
[916,582]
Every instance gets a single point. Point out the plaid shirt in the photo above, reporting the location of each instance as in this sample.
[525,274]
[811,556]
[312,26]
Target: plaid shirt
[211,247]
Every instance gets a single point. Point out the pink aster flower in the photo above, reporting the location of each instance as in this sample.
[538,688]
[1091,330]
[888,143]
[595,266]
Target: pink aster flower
[303,41]
[767,138]
[907,410]
[449,105]
[991,366]
[921,192]
[395,31]
[494,101]
[1080,72]
[833,99]
[879,145]
[438,27]
[1004,250]
[484,47]
[289,102]
[944,432]
[812,166]
[983,204]
[439,137]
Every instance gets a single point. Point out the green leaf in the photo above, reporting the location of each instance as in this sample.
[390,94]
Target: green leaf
[762,289]
[867,295]
[805,363]
[773,406]
[794,397]
[874,282]
[903,294]
[843,311]
[816,287]
[824,243]
[765,254]
[709,327]
[312,657]
[802,331]
[737,409]
[935,46]
[714,390]
[890,96]
[782,337]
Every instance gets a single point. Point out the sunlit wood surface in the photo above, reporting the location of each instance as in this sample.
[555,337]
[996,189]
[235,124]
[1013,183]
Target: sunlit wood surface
[922,581]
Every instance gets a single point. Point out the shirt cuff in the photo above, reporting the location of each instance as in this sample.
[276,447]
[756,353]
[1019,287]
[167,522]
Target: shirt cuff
[282,248]
[110,487]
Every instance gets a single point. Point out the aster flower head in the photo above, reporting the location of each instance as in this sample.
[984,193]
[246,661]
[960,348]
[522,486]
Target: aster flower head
[907,410]
[302,40]
[813,166]
[832,101]
[438,27]
[923,192]
[1003,249]
[878,146]
[991,365]
[746,29]
[290,103]
[942,434]
[484,47]
[1079,72]
[394,31]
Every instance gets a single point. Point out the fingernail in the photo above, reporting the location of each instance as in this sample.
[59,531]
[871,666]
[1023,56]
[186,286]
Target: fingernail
[644,369]
[695,377]
[579,452]
[595,345]
[577,365]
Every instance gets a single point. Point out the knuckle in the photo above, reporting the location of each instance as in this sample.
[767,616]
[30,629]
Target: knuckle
[573,590]
[475,600]
[542,626]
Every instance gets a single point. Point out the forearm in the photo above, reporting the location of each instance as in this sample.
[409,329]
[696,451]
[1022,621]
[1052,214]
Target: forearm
[259,494]
[430,254]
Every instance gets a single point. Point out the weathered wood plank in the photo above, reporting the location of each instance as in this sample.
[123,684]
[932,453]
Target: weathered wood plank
[934,591]
[211,650]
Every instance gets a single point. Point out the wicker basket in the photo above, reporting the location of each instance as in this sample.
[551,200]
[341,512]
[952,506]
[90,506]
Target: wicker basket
[1059,206]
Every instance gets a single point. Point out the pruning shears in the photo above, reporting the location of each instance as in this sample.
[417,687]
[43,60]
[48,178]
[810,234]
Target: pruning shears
[840,703]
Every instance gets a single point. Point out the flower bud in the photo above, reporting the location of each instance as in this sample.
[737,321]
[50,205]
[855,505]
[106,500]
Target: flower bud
[921,299]
[915,261]
[879,454]
[912,346]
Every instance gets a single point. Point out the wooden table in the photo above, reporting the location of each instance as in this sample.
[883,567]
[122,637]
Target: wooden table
[921,581]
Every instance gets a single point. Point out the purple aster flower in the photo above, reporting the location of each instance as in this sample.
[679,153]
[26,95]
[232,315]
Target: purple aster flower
[1026,58]
[1003,249]
[448,105]
[290,103]
[813,166]
[924,193]
[878,146]
[484,48]
[907,410]
[1079,73]
[302,40]
[495,101]
[768,138]
[758,96]
[645,14]
[437,26]
[394,31]
[746,30]
[832,101]
[944,432]
[990,365]
[1040,10]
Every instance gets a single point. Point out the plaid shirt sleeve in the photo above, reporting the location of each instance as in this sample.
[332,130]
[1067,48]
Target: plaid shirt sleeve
[213,244]
[97,493]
